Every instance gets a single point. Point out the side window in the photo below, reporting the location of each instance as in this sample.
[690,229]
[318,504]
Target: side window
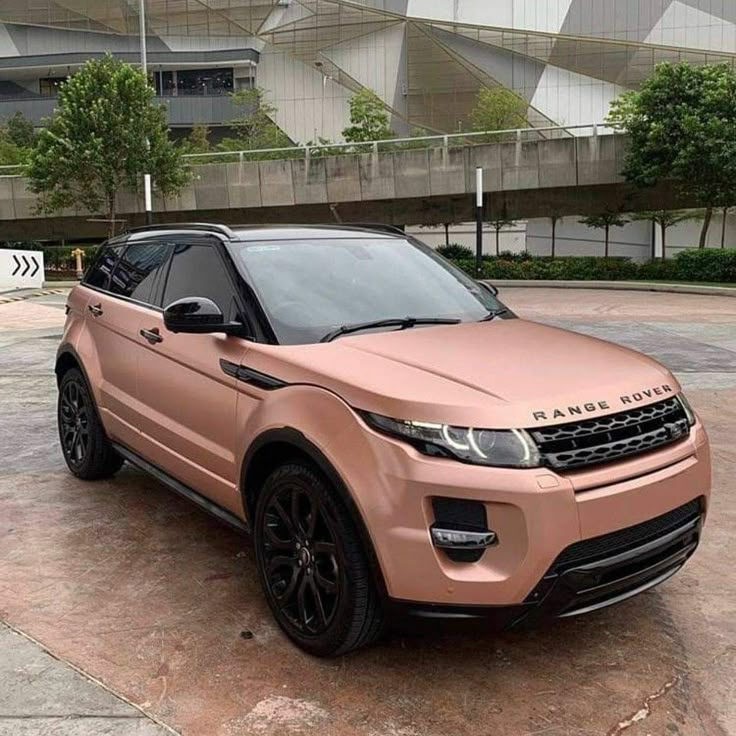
[137,270]
[197,270]
[99,272]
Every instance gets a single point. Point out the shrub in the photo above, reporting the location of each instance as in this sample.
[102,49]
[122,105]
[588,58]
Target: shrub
[707,264]
[691,265]
[455,251]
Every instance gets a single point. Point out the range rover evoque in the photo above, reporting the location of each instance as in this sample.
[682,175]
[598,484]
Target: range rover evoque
[396,440]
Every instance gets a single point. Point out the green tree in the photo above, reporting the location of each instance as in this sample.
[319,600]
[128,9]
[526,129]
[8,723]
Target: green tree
[605,222]
[369,119]
[665,219]
[16,140]
[198,140]
[256,128]
[682,127]
[498,109]
[499,224]
[106,133]
[20,130]
[10,154]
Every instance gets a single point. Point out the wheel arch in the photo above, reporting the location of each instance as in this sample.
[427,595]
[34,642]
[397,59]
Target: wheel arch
[66,359]
[277,446]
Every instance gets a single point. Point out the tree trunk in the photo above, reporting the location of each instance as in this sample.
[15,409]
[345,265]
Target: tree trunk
[723,228]
[554,228]
[447,233]
[706,225]
[606,250]
[664,241]
[111,215]
[498,234]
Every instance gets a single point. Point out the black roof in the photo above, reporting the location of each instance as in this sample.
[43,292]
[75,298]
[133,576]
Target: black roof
[274,232]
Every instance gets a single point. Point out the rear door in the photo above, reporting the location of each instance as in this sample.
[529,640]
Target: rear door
[190,403]
[121,285]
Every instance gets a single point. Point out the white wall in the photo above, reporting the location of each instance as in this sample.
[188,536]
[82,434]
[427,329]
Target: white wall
[573,239]
[511,239]
[306,101]
[633,240]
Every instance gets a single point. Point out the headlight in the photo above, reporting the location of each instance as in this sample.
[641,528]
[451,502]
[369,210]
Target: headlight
[504,448]
[685,404]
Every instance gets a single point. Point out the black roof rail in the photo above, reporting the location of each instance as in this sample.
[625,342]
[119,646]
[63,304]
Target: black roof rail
[203,226]
[380,226]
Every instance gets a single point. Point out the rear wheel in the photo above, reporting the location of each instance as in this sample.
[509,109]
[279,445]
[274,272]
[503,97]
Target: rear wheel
[87,450]
[312,564]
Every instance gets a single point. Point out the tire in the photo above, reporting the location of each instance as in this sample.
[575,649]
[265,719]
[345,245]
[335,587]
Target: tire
[87,451]
[312,565]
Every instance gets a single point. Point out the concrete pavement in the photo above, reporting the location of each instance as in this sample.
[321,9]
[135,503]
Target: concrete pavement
[39,694]
[149,596]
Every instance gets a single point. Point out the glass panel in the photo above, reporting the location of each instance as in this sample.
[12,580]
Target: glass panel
[136,271]
[49,87]
[196,270]
[99,272]
[308,288]
[204,81]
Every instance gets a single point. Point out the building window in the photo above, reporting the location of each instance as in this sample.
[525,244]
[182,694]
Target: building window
[164,83]
[49,86]
[204,81]
[188,82]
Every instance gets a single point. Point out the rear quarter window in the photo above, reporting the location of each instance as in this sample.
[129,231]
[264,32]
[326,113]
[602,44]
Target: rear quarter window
[137,270]
[98,274]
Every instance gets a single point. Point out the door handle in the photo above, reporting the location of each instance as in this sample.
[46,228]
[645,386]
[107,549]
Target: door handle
[152,335]
[96,309]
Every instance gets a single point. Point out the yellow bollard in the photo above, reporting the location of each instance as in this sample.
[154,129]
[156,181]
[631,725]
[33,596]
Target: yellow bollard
[78,254]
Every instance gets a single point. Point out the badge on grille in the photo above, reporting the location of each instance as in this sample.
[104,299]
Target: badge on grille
[675,430]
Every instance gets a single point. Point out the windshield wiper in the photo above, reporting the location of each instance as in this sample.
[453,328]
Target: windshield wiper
[404,323]
[492,314]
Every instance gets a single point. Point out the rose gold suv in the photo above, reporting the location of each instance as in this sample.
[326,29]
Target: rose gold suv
[397,442]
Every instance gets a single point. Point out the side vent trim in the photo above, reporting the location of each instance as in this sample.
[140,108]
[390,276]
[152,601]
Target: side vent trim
[251,376]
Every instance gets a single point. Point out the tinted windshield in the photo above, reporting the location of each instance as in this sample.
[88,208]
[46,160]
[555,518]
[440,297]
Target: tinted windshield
[310,287]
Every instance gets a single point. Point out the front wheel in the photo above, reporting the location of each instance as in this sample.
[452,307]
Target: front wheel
[87,450]
[312,564]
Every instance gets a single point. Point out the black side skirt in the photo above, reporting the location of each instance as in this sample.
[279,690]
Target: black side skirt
[189,493]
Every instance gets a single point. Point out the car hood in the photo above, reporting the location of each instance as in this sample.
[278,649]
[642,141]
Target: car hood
[499,374]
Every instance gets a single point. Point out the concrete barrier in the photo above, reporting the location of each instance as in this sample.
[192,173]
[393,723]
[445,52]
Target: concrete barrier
[562,176]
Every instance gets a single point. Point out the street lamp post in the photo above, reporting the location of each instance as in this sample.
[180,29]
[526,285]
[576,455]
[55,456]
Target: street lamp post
[142,19]
[478,220]
[144,69]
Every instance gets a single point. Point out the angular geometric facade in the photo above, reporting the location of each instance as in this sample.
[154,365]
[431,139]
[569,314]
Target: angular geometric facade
[426,59]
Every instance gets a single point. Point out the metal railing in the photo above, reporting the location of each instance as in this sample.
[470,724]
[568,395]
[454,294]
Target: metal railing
[307,151]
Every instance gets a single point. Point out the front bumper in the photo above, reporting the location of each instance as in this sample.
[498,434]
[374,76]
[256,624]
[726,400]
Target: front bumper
[537,516]
[588,575]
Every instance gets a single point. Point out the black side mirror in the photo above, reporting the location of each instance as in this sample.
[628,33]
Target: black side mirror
[198,315]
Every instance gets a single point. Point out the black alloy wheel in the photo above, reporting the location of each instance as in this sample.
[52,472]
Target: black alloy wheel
[87,450]
[74,422]
[301,558]
[312,564]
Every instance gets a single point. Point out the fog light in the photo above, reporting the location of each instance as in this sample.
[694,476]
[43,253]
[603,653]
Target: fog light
[457,539]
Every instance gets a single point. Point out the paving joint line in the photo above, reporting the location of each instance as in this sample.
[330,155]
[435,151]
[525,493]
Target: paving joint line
[91,678]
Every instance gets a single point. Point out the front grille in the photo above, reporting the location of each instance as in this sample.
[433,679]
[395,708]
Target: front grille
[595,441]
[607,545]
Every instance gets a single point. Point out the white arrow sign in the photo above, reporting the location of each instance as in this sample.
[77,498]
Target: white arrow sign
[21,269]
